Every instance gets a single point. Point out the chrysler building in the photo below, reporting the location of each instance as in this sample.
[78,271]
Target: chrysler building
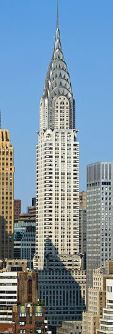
[57,208]
[61,283]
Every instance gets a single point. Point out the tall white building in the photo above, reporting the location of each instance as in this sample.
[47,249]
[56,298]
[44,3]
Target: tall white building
[99,215]
[57,198]
[61,283]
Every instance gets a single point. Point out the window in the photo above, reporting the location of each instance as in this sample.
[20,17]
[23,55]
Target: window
[109,288]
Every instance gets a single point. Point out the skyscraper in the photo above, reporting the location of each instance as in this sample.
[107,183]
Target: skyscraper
[6,195]
[57,202]
[61,283]
[99,215]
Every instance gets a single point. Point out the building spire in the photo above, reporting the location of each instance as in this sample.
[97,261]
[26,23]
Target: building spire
[57,21]
[57,35]
[57,79]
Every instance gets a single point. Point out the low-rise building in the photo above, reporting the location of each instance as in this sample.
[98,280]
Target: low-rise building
[30,318]
[70,327]
[20,309]
[106,322]
[27,318]
[90,323]
[17,285]
[96,299]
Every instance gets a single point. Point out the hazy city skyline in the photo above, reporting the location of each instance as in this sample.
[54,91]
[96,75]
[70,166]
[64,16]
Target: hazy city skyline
[27,35]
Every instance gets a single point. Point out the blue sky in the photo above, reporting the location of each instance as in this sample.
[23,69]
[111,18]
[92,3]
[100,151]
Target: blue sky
[27,29]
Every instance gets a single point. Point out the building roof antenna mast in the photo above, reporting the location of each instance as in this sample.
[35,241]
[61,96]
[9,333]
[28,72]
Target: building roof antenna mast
[57,22]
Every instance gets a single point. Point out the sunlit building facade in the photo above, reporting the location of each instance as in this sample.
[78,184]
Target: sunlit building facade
[6,195]
[61,282]
[57,202]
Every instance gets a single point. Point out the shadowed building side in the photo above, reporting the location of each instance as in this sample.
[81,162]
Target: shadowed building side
[82,226]
[62,287]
